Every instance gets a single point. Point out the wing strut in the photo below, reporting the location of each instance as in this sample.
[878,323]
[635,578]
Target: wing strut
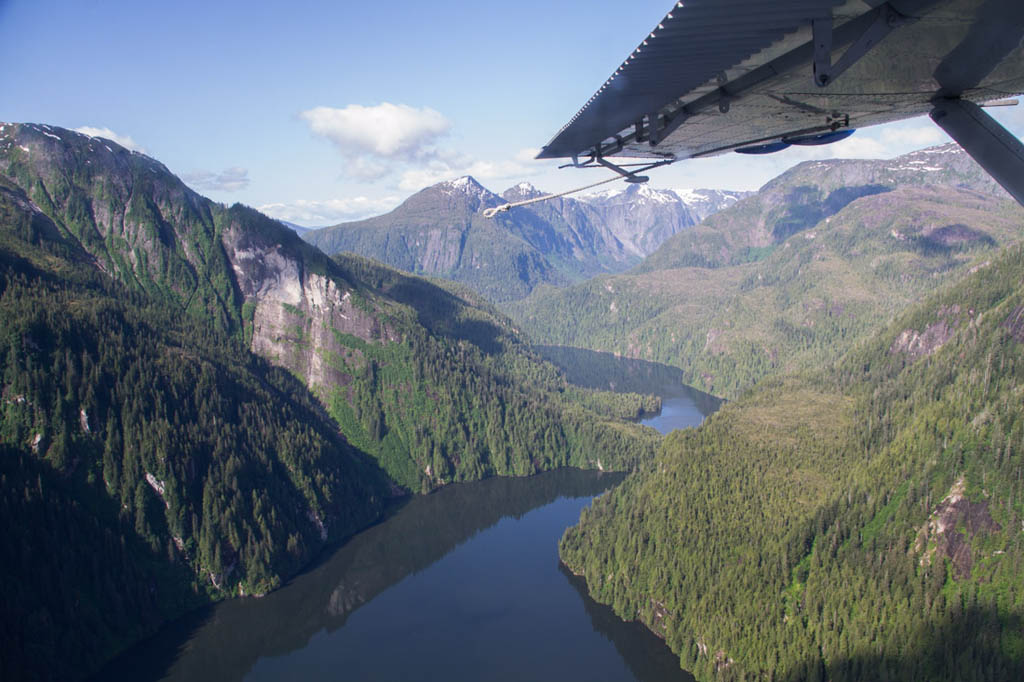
[990,144]
[886,19]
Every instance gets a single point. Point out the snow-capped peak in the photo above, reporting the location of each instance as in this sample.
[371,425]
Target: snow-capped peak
[662,196]
[523,190]
[632,193]
[690,196]
[602,195]
[464,183]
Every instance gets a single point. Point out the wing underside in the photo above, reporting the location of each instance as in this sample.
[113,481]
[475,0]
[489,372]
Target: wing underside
[716,75]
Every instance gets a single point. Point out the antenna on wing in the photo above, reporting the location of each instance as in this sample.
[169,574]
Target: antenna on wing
[491,212]
[627,176]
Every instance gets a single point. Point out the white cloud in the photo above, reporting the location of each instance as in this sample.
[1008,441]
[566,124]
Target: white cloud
[320,213]
[124,140]
[228,180]
[400,140]
[386,130]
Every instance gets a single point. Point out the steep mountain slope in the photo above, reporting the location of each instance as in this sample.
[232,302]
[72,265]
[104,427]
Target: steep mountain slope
[822,275]
[149,462]
[213,399]
[365,339]
[809,193]
[439,231]
[642,218]
[858,523]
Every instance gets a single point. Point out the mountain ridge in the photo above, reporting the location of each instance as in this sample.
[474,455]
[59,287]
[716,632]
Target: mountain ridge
[439,231]
[859,521]
[790,276]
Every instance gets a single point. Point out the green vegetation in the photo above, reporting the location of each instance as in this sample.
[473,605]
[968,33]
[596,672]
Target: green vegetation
[461,397]
[856,523]
[798,304]
[195,402]
[150,463]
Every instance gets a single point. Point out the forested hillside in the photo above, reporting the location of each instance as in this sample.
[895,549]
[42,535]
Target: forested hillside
[196,402]
[150,462]
[433,381]
[793,276]
[461,397]
[857,523]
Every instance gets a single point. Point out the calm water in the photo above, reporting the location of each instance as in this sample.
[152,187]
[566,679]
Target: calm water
[681,408]
[681,405]
[462,584]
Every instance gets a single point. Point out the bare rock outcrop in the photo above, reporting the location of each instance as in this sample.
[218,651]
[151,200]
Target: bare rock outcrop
[919,344]
[941,537]
[297,314]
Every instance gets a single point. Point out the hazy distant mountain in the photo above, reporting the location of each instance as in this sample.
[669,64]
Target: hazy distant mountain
[642,217]
[791,276]
[811,192]
[440,231]
[704,202]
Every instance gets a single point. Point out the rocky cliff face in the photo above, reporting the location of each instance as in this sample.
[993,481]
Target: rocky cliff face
[295,314]
[641,218]
[143,226]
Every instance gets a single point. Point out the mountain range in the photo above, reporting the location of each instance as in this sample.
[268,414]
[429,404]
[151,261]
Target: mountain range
[792,276]
[857,521]
[195,402]
[441,232]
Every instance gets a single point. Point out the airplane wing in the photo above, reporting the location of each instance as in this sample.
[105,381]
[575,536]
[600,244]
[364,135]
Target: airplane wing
[757,75]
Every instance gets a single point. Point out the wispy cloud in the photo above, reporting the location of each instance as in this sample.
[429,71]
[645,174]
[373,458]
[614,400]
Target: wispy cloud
[124,140]
[393,131]
[403,143]
[228,180]
[319,213]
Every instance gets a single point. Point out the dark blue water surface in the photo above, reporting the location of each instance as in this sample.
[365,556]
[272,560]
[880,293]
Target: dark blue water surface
[461,584]
[681,408]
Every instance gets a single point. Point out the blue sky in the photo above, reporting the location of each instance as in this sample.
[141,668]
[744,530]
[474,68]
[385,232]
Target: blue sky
[319,112]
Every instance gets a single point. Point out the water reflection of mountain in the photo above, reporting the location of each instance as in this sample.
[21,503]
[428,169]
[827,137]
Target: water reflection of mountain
[647,656]
[223,643]
[593,369]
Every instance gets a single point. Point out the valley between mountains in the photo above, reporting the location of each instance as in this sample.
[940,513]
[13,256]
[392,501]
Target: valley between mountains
[196,401]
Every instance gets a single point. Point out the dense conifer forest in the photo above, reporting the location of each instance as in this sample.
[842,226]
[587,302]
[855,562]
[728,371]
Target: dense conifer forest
[150,460]
[153,462]
[858,523]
